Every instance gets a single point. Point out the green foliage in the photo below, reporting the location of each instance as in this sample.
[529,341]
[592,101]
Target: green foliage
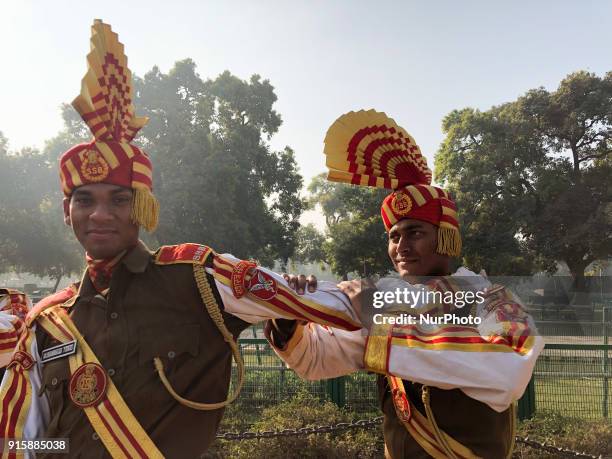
[531,178]
[591,437]
[217,179]
[33,237]
[358,244]
[304,410]
[355,239]
[310,244]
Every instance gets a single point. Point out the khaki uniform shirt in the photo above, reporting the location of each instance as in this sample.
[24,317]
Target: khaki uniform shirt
[151,311]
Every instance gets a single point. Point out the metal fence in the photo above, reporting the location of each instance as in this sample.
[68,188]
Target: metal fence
[268,382]
[575,379]
[572,379]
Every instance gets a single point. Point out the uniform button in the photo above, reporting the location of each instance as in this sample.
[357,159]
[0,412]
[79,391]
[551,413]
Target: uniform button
[114,315]
[54,382]
[95,436]
[171,355]
[111,372]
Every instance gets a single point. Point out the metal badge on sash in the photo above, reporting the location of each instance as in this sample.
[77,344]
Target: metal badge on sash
[402,405]
[23,359]
[57,352]
[88,385]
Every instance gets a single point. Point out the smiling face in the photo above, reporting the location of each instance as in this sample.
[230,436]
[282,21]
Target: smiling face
[101,217]
[412,249]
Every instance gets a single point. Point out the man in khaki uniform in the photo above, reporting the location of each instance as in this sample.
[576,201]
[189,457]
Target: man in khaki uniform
[447,389]
[135,359]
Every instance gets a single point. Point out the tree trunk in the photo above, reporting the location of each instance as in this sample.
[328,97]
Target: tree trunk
[57,281]
[576,158]
[579,281]
[578,294]
[577,270]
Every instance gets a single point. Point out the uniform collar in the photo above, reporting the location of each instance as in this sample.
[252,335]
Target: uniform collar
[137,259]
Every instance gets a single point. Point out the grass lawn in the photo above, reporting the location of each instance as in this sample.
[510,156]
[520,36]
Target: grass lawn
[575,397]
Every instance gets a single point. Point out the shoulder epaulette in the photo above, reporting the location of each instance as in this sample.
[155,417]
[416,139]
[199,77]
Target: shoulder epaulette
[182,253]
[52,300]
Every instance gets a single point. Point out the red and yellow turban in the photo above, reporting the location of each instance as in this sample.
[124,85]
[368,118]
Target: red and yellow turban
[105,104]
[368,148]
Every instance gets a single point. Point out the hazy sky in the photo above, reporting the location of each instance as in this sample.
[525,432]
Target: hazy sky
[414,60]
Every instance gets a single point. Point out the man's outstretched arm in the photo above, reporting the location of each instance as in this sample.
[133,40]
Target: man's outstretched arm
[317,352]
[491,363]
[255,294]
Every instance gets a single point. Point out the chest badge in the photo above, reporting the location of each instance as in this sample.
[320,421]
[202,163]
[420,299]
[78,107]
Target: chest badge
[58,351]
[88,385]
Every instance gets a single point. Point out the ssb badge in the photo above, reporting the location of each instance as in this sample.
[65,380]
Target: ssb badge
[401,204]
[88,385]
[94,167]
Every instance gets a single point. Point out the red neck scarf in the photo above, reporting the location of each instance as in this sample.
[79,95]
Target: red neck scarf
[101,271]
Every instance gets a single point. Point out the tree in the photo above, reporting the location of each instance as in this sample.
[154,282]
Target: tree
[531,178]
[216,177]
[310,245]
[33,235]
[355,239]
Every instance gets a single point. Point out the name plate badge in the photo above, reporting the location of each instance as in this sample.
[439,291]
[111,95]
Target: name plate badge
[58,351]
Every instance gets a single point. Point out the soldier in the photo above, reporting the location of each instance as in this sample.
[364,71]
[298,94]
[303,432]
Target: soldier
[446,390]
[135,359]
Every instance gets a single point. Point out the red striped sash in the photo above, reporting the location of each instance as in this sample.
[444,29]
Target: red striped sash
[111,418]
[16,393]
[432,439]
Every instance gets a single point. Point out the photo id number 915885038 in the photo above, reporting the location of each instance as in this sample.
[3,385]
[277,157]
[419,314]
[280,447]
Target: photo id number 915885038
[39,445]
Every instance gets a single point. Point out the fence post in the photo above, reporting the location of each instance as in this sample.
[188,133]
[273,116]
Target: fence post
[256,346]
[605,316]
[336,390]
[527,403]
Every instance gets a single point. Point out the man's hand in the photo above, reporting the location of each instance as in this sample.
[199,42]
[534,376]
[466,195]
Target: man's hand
[280,331]
[360,292]
[300,282]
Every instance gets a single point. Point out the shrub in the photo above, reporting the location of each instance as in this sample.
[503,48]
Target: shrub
[307,410]
[591,437]
[304,410]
